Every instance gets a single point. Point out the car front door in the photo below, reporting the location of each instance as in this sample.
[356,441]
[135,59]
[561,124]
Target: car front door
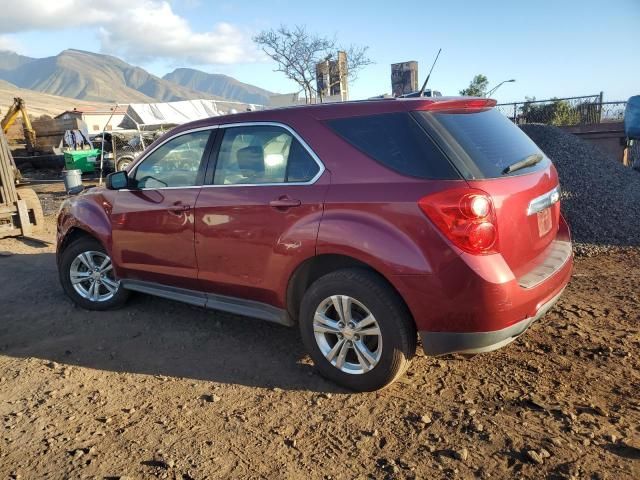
[258,214]
[153,220]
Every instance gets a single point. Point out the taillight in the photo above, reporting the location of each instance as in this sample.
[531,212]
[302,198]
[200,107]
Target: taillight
[466,216]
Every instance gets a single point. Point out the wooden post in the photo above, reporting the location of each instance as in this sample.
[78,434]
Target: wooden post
[9,203]
[600,107]
[25,221]
[7,178]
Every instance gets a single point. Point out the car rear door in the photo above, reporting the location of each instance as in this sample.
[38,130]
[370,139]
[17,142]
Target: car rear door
[258,214]
[153,220]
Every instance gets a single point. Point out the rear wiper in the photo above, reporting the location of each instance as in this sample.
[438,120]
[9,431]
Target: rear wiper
[524,163]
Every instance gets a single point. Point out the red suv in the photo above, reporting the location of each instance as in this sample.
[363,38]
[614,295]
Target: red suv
[365,223]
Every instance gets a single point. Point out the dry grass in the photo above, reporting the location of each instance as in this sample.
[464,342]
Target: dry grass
[39,103]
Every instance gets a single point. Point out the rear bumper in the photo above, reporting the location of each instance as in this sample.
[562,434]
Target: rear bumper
[442,343]
[477,304]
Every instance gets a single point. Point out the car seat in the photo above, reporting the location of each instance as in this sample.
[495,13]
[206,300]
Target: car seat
[251,162]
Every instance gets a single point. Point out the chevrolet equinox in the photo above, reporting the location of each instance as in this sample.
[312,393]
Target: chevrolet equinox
[368,224]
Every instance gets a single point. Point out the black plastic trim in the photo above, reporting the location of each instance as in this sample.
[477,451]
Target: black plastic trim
[444,343]
[212,301]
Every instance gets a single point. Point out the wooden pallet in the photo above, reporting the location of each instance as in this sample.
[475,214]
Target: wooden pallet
[10,204]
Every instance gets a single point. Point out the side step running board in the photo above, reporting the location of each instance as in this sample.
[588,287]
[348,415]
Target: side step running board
[238,306]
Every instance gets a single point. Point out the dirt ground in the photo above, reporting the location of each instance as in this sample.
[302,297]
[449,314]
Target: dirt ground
[161,389]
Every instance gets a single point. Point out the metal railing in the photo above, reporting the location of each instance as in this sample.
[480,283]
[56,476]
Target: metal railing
[585,110]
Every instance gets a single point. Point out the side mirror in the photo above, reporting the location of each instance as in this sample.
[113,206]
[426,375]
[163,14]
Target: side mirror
[117,180]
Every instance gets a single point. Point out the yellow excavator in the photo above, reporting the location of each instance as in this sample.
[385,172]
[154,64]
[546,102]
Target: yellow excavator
[19,107]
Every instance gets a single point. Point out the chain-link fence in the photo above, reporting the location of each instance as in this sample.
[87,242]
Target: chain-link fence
[586,110]
[612,111]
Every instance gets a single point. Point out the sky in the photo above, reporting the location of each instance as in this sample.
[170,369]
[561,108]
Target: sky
[551,48]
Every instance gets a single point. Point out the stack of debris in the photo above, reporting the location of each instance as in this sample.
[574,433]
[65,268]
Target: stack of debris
[49,133]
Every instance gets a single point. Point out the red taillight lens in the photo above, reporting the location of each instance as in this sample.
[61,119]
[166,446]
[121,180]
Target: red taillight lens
[466,216]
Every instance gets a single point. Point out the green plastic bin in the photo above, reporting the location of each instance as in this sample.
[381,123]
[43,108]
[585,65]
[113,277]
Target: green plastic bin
[84,160]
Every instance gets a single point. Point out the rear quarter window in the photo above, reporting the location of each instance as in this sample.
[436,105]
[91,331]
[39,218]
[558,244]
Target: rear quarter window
[397,141]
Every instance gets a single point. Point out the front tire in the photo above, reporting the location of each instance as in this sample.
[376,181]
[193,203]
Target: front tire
[357,330]
[87,276]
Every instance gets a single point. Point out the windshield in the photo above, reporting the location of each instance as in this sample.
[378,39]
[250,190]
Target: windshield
[482,144]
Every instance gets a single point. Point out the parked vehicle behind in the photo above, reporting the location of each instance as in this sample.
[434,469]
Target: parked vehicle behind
[121,148]
[367,224]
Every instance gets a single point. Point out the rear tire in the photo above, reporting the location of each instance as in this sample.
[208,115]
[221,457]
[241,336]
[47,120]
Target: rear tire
[87,277]
[378,334]
[34,206]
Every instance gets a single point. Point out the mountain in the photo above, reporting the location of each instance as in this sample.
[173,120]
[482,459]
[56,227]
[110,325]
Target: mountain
[11,60]
[94,77]
[218,84]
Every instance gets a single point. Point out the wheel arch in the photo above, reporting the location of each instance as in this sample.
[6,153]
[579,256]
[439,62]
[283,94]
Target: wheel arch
[87,214]
[72,235]
[319,265]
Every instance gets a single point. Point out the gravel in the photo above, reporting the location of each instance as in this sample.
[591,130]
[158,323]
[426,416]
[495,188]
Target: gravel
[601,197]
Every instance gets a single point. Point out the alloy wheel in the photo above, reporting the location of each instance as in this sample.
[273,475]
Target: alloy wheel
[92,277]
[347,334]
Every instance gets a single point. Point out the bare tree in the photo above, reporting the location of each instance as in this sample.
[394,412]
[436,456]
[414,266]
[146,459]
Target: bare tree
[297,52]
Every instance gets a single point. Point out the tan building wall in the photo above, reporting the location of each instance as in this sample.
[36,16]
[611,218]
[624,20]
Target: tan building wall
[96,122]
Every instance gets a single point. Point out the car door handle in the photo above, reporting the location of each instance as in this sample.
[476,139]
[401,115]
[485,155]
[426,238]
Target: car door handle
[285,202]
[179,208]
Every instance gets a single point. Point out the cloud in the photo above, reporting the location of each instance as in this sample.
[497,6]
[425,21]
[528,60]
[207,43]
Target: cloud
[138,30]
[149,33]
[8,43]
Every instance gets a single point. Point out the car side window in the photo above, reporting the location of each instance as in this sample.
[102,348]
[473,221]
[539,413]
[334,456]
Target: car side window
[174,164]
[256,155]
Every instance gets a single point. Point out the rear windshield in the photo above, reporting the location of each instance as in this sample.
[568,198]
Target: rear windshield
[397,141]
[481,144]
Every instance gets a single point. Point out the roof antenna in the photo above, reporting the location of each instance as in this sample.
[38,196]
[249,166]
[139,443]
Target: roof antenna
[424,85]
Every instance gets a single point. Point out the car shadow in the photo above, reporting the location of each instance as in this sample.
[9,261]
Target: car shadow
[34,242]
[624,450]
[149,335]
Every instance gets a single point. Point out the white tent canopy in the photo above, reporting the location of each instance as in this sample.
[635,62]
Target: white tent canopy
[153,115]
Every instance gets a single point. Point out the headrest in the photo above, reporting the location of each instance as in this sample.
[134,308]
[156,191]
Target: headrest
[251,158]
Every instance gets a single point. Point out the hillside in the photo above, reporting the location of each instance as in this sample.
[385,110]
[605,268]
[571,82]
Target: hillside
[220,85]
[39,103]
[93,77]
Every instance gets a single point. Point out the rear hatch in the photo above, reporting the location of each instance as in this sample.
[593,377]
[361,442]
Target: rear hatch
[482,144]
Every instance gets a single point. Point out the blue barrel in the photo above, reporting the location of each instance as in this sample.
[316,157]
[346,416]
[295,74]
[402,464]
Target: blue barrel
[632,118]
